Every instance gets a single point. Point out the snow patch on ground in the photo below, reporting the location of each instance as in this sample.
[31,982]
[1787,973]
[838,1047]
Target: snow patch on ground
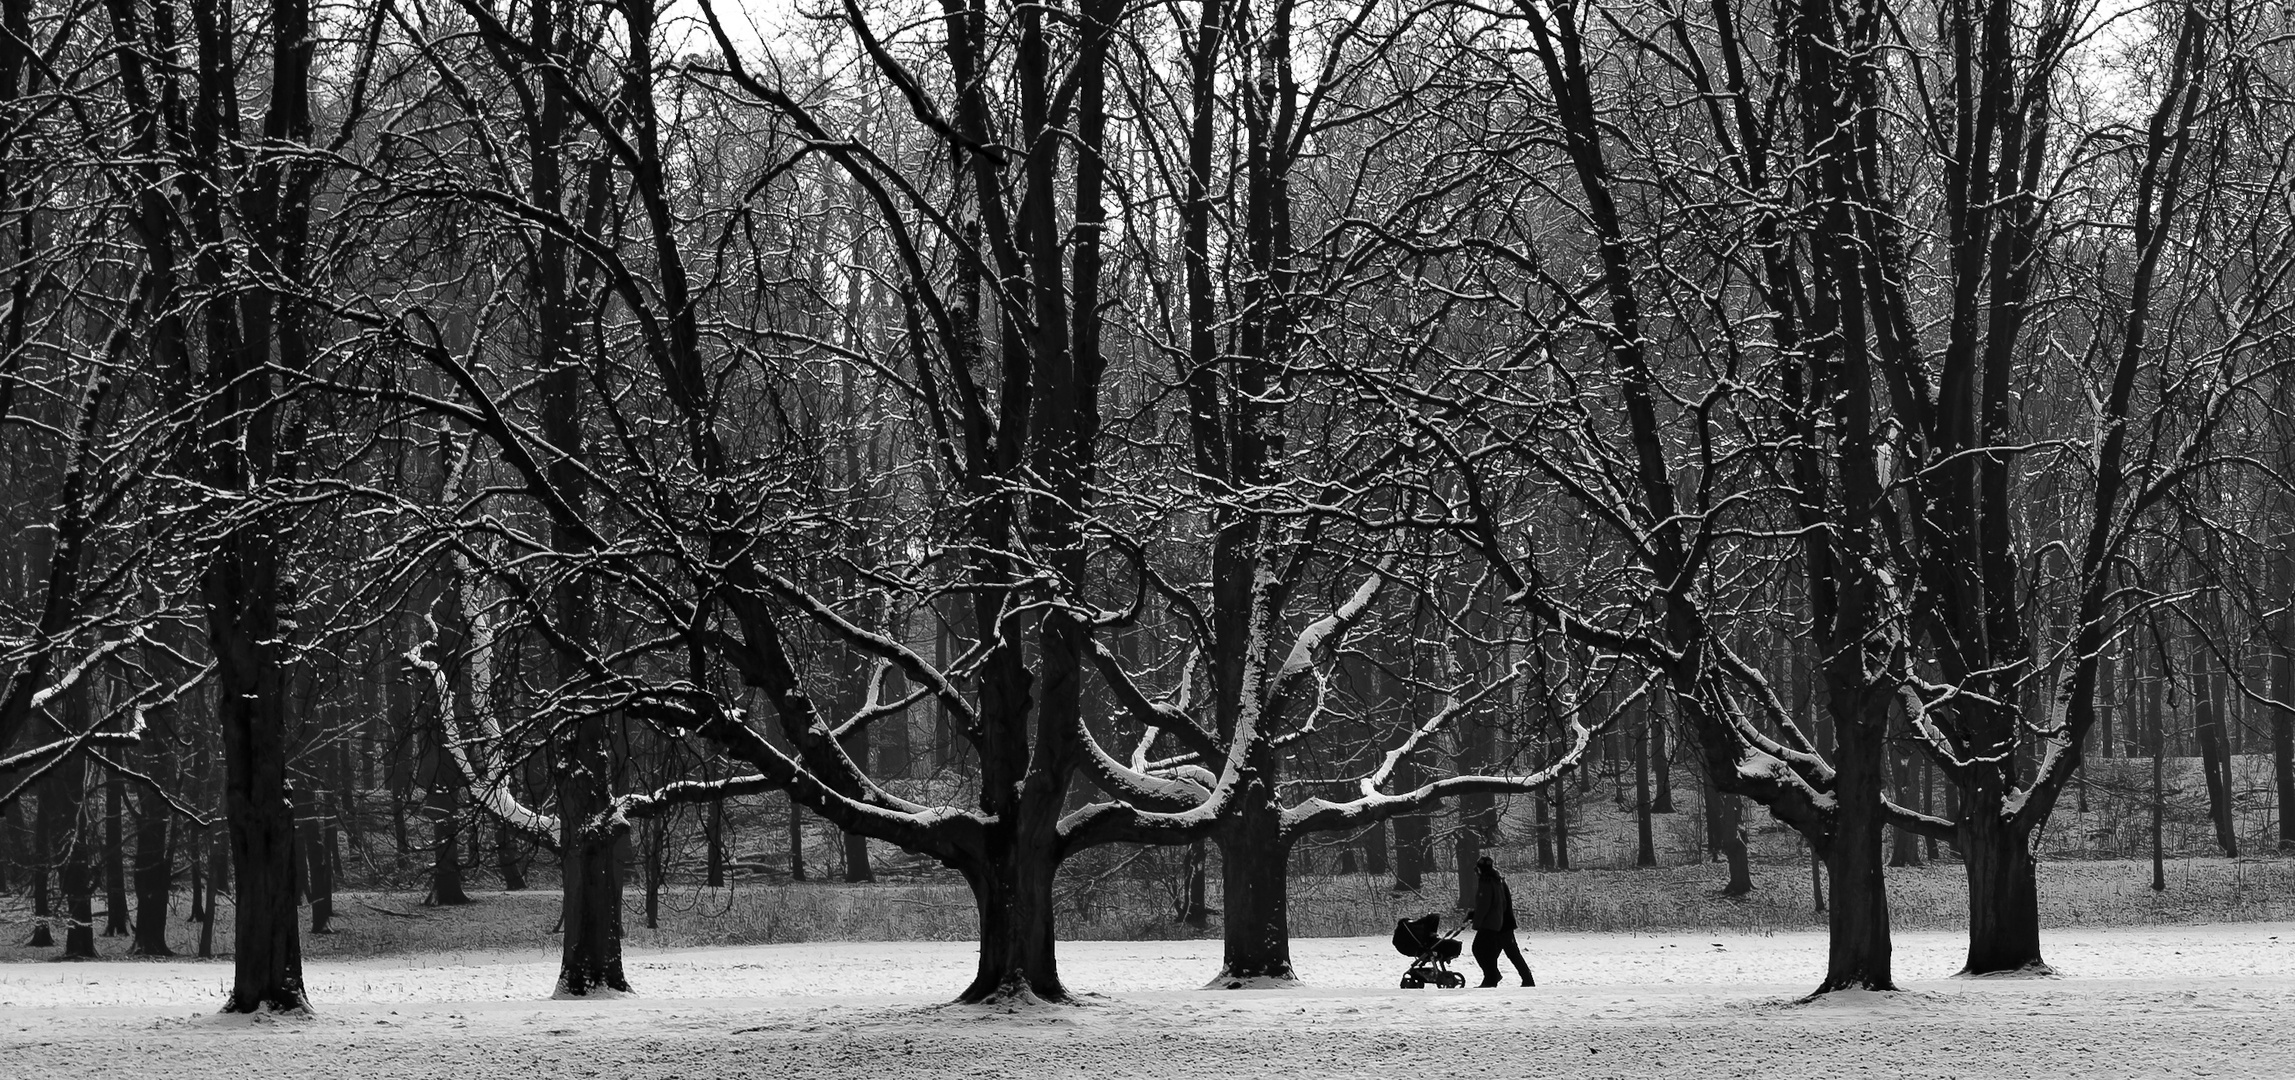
[2028,971]
[1255,982]
[2143,1001]
[595,993]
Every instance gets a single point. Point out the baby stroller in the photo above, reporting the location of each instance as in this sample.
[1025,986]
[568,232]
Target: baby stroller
[1430,953]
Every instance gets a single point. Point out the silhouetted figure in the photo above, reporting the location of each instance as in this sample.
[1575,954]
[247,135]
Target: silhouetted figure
[1493,919]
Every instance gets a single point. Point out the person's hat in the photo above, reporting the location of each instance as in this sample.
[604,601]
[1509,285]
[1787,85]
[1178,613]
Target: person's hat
[1484,865]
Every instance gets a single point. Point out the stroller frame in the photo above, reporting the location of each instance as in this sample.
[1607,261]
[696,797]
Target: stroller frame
[1430,954]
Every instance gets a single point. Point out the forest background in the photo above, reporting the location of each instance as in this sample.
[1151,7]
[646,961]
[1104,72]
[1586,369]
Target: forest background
[1191,452]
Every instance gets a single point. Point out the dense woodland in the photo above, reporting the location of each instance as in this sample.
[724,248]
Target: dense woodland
[527,439]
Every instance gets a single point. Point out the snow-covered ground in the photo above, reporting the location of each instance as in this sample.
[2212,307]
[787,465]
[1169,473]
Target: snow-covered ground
[2153,1001]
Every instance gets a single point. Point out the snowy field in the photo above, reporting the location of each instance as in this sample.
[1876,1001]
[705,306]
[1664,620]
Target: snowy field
[2150,1001]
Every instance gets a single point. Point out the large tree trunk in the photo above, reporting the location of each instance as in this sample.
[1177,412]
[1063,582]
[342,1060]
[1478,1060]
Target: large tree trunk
[1254,859]
[267,946]
[1012,889]
[243,586]
[2003,891]
[1017,958]
[1859,914]
[590,953]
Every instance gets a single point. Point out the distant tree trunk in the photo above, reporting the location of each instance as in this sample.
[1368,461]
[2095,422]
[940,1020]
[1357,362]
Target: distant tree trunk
[78,877]
[1477,812]
[1543,826]
[1561,826]
[1195,906]
[2157,717]
[401,794]
[47,817]
[857,868]
[318,863]
[154,867]
[343,815]
[2214,759]
[1928,797]
[1414,853]
[715,835]
[1661,768]
[2283,735]
[1816,883]
[1591,767]
[218,884]
[796,841]
[656,855]
[1645,845]
[79,899]
[115,859]
[508,860]
[1466,849]
[1375,850]
[1904,844]
[446,845]
[1725,834]
[2283,689]
[199,899]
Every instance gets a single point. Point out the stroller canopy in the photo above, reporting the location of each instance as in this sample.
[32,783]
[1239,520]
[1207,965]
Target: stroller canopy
[1416,937]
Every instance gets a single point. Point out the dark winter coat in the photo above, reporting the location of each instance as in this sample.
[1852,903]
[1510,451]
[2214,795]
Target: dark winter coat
[1493,905]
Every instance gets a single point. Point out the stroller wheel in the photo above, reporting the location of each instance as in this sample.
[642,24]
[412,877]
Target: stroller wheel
[1411,982]
[1452,980]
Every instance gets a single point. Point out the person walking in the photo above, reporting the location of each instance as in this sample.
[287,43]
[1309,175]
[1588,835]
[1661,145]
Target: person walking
[1493,921]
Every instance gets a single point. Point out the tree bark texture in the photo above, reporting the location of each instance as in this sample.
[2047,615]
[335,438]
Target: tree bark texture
[115,858]
[1858,918]
[154,874]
